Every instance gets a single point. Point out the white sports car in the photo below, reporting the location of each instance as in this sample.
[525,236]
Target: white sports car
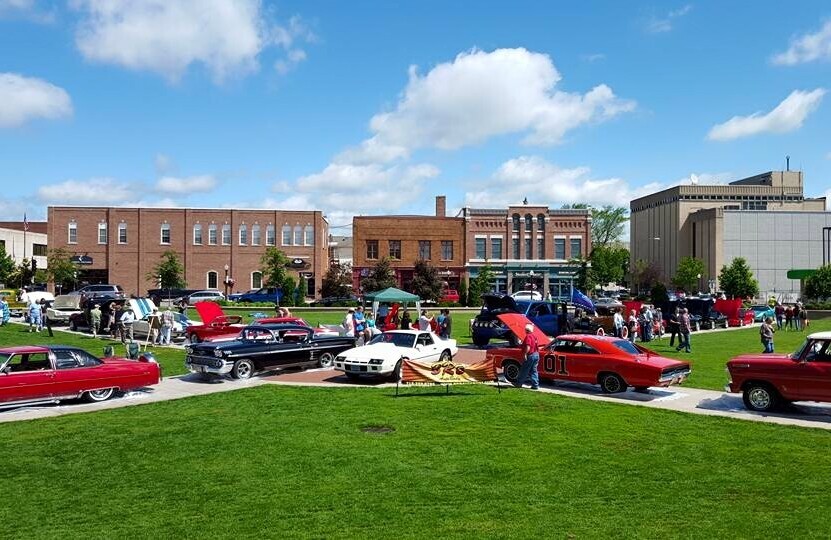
[383,355]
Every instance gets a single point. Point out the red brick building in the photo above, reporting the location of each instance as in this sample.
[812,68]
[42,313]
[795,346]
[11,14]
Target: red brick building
[438,239]
[122,245]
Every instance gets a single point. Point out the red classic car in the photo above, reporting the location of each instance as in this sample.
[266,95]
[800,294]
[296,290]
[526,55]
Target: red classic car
[768,381]
[615,364]
[40,374]
[216,326]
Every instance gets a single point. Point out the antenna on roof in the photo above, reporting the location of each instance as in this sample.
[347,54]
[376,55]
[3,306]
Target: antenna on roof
[787,163]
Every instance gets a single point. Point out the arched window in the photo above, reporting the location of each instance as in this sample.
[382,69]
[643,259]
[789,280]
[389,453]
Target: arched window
[256,280]
[286,234]
[243,235]
[197,234]
[298,235]
[529,222]
[541,222]
[212,234]
[255,235]
[213,280]
[309,235]
[515,219]
[270,238]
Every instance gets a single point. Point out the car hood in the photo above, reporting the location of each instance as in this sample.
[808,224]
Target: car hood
[660,362]
[499,303]
[516,324]
[67,301]
[208,311]
[760,360]
[376,350]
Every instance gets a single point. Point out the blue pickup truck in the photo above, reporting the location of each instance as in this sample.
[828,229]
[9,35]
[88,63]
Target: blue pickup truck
[266,294]
[549,317]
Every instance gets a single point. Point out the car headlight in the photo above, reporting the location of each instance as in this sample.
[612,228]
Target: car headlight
[218,353]
[376,362]
[340,358]
[189,350]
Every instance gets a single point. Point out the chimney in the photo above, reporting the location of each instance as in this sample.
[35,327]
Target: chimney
[441,206]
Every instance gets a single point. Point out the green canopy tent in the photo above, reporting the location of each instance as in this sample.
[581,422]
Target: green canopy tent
[391,296]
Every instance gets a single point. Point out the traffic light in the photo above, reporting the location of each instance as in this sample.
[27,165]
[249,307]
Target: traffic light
[34,265]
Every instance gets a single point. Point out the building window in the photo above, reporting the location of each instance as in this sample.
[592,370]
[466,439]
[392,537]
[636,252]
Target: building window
[560,248]
[528,243]
[212,234]
[309,235]
[576,248]
[424,248]
[73,233]
[213,280]
[481,248]
[529,222]
[226,235]
[541,222]
[197,234]
[372,249]
[447,250]
[243,235]
[298,235]
[515,247]
[395,249]
[256,280]
[496,248]
[255,235]
[38,250]
[515,223]
[286,235]
[165,234]
[270,235]
[102,233]
[122,233]
[540,247]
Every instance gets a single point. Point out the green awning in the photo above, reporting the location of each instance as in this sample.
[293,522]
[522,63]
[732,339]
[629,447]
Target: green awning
[391,295]
[800,274]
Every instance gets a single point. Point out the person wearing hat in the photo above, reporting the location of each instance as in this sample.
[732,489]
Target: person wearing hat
[531,351]
[95,319]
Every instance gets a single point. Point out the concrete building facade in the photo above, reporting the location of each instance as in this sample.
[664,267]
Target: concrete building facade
[24,241]
[122,245]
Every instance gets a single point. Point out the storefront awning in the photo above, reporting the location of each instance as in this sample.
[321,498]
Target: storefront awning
[800,274]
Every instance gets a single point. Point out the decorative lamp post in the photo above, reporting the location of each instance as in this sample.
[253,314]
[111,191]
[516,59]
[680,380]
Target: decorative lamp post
[225,281]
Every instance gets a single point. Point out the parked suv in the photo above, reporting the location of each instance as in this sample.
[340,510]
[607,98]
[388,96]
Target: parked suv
[266,294]
[209,295]
[549,317]
[95,291]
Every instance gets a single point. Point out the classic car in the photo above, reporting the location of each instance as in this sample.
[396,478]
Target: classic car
[269,295]
[604,318]
[762,312]
[16,307]
[265,346]
[382,356]
[770,381]
[63,308]
[552,318]
[614,364]
[142,309]
[216,326]
[33,374]
[450,295]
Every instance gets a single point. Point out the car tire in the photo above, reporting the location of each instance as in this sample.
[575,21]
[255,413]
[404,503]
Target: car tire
[510,370]
[445,356]
[192,339]
[612,383]
[480,341]
[760,397]
[395,376]
[97,396]
[243,369]
[326,360]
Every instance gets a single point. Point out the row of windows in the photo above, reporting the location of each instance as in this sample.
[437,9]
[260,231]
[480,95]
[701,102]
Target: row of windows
[481,245]
[291,236]
[529,220]
[668,200]
[425,249]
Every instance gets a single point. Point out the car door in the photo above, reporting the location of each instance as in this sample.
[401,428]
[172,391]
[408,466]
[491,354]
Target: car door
[814,372]
[556,362]
[27,377]
[76,372]
[427,350]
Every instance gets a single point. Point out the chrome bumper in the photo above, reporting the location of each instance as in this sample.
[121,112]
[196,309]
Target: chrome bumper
[223,368]
[674,378]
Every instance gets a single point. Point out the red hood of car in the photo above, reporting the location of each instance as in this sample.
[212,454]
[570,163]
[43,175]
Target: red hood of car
[761,359]
[516,323]
[208,311]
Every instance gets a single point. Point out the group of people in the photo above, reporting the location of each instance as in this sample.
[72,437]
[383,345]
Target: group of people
[362,324]
[645,325]
[793,317]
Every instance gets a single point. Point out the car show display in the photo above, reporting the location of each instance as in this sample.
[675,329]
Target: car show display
[550,317]
[216,326]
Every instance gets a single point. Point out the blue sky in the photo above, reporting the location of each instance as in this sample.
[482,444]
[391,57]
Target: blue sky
[376,107]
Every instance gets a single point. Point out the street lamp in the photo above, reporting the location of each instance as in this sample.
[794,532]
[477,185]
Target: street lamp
[225,282]
[698,276]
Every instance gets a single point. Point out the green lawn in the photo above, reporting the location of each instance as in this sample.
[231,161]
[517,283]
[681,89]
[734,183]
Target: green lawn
[293,462]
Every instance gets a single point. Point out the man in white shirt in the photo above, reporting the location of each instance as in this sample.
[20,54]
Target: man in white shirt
[618,322]
[127,320]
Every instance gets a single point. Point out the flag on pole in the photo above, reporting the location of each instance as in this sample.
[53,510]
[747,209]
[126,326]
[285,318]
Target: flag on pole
[25,223]
[580,299]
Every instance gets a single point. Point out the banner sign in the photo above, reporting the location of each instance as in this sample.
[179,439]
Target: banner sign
[447,372]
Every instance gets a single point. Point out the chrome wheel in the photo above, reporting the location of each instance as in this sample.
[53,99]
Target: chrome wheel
[243,369]
[327,359]
[99,395]
[758,397]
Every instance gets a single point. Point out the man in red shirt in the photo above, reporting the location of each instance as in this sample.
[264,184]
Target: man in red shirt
[531,351]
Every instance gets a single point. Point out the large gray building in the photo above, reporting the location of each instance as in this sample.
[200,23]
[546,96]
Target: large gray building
[764,218]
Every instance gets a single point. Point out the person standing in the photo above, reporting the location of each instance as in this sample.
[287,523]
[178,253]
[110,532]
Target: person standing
[360,323]
[632,325]
[349,323]
[766,334]
[617,321]
[803,317]
[424,321]
[685,328]
[797,317]
[168,318]
[531,351]
[447,325]
[674,327]
[779,311]
[95,320]
[406,322]
[127,319]
[658,324]
[35,322]
[5,314]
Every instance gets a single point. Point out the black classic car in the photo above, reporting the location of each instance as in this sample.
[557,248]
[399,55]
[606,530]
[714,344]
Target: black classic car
[266,346]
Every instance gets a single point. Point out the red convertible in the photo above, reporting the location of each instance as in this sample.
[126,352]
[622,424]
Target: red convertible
[216,326]
[39,374]
[615,364]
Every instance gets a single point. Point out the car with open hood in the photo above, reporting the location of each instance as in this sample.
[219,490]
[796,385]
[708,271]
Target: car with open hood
[63,308]
[550,317]
[216,326]
[383,356]
[265,346]
[612,363]
[770,381]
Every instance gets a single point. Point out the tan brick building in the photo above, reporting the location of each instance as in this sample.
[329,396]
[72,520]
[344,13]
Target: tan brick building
[438,239]
[122,245]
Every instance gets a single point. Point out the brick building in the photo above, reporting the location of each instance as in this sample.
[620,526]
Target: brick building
[527,246]
[122,245]
[438,239]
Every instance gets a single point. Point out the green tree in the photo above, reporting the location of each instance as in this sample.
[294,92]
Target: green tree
[608,222]
[645,274]
[690,271]
[818,284]
[302,292]
[381,277]
[658,294]
[273,266]
[22,274]
[737,281]
[609,264]
[463,292]
[480,285]
[289,288]
[337,282]
[6,266]
[585,277]
[426,283]
[168,272]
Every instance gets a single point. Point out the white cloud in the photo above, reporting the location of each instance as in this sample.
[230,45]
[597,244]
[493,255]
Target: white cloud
[593,57]
[163,164]
[186,185]
[165,37]
[26,98]
[657,25]
[293,57]
[787,116]
[807,48]
[542,182]
[107,191]
[481,95]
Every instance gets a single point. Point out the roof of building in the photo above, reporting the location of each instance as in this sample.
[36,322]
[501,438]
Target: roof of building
[34,226]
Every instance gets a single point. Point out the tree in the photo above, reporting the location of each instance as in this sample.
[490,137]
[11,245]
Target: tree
[462,292]
[289,288]
[6,266]
[609,264]
[426,283]
[818,284]
[380,277]
[607,225]
[22,274]
[273,265]
[337,282]
[737,280]
[690,271]
[645,274]
[480,285]
[168,272]
[658,294]
[585,277]
[302,292]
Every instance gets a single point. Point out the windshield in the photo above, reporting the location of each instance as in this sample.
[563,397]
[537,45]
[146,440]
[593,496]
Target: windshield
[4,357]
[399,340]
[800,349]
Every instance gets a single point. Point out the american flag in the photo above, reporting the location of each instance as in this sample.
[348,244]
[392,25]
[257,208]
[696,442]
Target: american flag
[25,223]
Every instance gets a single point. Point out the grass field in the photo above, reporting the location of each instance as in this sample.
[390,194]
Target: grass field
[293,462]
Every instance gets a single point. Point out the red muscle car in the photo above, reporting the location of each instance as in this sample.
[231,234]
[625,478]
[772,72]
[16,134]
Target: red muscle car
[216,326]
[40,374]
[768,381]
[614,364]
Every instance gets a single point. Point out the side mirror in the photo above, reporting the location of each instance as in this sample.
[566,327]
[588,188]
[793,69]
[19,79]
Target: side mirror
[418,346]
